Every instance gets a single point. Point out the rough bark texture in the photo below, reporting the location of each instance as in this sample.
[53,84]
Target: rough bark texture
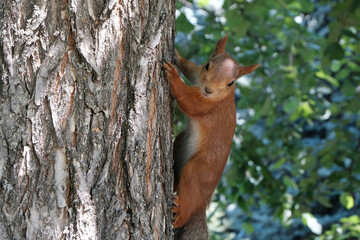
[85,140]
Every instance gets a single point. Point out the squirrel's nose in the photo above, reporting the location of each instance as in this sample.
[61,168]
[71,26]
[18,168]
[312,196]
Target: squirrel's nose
[208,90]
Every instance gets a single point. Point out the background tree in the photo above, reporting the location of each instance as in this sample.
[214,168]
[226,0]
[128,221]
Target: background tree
[85,140]
[294,169]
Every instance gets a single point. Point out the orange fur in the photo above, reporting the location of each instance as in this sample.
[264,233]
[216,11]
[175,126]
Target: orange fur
[201,152]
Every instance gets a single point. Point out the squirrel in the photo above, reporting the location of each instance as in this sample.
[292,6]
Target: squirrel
[202,150]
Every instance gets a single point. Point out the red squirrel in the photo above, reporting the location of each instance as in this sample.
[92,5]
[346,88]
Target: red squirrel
[201,151]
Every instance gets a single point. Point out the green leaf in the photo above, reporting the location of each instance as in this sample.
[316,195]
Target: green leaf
[348,89]
[334,51]
[310,163]
[183,24]
[202,3]
[354,219]
[291,105]
[347,200]
[335,66]
[343,73]
[307,6]
[291,71]
[305,109]
[335,29]
[294,5]
[278,164]
[328,78]
[289,182]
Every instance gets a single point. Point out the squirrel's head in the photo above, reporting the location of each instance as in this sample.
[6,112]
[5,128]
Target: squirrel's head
[216,79]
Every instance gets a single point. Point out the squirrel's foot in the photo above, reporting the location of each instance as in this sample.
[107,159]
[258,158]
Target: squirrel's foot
[174,198]
[175,201]
[178,221]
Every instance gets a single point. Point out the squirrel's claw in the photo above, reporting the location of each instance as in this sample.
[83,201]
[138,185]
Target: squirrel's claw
[175,210]
[178,222]
[167,65]
[174,197]
[176,200]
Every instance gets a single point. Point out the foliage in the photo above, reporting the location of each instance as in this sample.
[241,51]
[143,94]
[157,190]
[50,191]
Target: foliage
[296,146]
[348,228]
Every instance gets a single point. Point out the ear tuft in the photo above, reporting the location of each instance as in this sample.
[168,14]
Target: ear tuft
[220,46]
[243,70]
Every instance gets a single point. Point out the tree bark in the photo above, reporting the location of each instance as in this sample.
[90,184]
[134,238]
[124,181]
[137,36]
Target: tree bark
[86,119]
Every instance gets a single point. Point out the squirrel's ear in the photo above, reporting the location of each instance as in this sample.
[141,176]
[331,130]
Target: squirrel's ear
[220,46]
[243,70]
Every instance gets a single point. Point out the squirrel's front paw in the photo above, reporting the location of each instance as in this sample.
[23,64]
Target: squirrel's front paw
[171,71]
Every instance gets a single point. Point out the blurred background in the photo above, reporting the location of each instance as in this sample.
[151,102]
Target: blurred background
[294,168]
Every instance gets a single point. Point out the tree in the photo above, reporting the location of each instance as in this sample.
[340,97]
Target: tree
[85,140]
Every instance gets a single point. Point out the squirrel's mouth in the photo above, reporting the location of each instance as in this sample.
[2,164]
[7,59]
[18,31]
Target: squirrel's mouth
[205,94]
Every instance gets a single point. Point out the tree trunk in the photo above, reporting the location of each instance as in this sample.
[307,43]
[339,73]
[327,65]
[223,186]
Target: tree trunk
[86,113]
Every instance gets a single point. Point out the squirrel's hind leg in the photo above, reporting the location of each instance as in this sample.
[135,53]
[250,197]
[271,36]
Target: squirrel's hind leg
[191,195]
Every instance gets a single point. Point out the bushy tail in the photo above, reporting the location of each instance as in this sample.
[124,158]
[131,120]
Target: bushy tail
[195,229]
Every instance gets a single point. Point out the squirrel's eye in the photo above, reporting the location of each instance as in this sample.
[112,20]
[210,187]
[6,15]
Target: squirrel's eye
[229,85]
[207,67]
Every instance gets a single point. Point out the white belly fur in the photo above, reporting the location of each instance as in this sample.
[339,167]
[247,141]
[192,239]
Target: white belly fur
[191,140]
